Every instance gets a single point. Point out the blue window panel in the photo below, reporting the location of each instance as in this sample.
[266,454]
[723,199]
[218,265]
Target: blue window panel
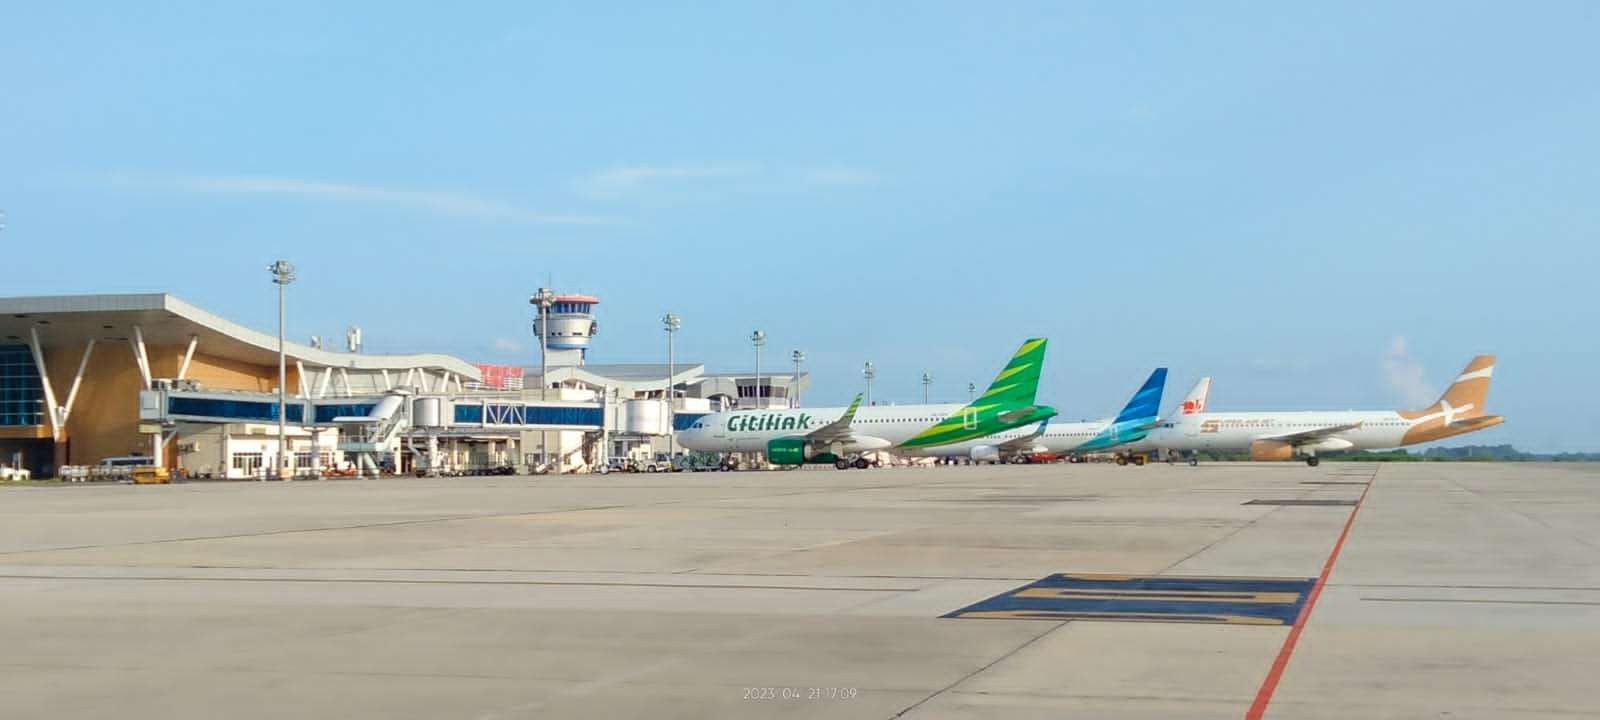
[236,410]
[579,416]
[21,393]
[469,414]
[326,413]
[684,421]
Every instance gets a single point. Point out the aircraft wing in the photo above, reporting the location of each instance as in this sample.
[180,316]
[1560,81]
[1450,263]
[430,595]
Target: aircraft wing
[838,430]
[1312,435]
[1026,441]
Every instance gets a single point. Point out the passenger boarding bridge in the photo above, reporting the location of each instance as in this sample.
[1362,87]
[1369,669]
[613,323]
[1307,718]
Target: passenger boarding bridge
[373,427]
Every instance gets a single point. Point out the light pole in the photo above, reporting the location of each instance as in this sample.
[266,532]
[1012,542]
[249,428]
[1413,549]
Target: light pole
[798,357]
[282,275]
[671,322]
[869,372]
[758,339]
[972,392]
[926,381]
[543,298]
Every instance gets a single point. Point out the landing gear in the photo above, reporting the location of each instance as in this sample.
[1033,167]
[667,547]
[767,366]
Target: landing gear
[1138,460]
[861,463]
[841,464]
[1194,462]
[1312,461]
[1122,459]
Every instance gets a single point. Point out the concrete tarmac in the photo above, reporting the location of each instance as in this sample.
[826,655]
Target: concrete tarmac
[1462,591]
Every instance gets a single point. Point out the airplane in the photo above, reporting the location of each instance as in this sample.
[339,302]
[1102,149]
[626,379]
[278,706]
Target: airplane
[1016,445]
[1302,434]
[840,435]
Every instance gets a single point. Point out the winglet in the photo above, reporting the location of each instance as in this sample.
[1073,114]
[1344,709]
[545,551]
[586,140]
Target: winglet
[850,412]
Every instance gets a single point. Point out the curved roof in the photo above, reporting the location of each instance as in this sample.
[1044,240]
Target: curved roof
[165,319]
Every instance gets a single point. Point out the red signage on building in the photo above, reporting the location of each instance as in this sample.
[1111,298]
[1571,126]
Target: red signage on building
[502,377]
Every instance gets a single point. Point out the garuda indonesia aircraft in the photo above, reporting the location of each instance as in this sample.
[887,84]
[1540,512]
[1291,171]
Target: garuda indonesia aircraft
[1302,434]
[1136,419]
[840,435]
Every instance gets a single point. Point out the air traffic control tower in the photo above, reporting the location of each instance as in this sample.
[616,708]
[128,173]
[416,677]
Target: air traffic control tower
[572,325]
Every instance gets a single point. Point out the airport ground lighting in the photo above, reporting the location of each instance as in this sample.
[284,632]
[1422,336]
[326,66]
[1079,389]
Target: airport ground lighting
[798,358]
[282,275]
[671,322]
[758,339]
[543,298]
[869,372]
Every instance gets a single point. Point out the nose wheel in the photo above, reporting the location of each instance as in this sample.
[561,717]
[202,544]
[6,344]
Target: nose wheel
[1312,461]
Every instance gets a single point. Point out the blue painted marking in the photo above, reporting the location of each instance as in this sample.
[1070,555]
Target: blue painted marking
[1275,601]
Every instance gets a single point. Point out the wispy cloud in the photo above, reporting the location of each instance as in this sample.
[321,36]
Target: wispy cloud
[1405,374]
[506,345]
[700,181]
[444,202]
[626,179]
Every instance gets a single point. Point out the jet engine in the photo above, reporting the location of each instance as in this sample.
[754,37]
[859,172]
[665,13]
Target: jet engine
[1271,450]
[786,451]
[795,451]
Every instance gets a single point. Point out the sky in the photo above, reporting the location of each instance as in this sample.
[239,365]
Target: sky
[1319,205]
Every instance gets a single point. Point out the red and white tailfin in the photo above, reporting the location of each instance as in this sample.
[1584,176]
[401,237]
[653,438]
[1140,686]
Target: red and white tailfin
[1195,401]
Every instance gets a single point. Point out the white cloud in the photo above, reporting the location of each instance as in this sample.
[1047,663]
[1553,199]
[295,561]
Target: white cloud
[444,202]
[629,178]
[1405,375]
[506,345]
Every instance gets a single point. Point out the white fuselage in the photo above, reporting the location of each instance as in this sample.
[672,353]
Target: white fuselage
[1376,430]
[874,428]
[1057,438]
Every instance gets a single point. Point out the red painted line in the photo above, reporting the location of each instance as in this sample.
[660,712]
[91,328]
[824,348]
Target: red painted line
[1270,683]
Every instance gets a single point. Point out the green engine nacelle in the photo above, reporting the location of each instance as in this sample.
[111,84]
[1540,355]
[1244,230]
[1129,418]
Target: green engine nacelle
[792,451]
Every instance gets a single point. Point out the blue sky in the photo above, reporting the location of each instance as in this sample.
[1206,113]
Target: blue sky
[1321,206]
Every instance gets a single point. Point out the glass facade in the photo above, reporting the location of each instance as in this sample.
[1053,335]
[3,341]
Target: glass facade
[326,413]
[21,393]
[500,414]
[469,414]
[234,410]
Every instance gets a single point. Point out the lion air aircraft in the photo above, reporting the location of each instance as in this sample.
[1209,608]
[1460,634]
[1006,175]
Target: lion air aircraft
[1289,435]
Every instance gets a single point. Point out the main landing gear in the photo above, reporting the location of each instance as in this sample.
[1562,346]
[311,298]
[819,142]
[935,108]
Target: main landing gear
[859,463]
[1312,461]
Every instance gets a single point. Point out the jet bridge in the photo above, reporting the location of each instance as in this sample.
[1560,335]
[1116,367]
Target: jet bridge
[372,427]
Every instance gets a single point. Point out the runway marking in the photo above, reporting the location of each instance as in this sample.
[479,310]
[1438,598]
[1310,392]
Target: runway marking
[1304,502]
[1160,598]
[1269,684]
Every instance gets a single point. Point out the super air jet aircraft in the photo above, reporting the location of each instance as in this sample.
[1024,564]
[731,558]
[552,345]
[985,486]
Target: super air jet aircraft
[1290,435]
[840,435]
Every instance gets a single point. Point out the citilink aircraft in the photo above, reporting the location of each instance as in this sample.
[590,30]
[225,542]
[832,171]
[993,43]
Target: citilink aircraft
[841,435]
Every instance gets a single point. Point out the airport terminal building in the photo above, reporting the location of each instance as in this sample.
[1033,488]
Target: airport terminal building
[88,378]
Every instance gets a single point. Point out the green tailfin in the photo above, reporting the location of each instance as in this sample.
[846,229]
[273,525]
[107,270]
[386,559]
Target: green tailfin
[1017,385]
[1007,403]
